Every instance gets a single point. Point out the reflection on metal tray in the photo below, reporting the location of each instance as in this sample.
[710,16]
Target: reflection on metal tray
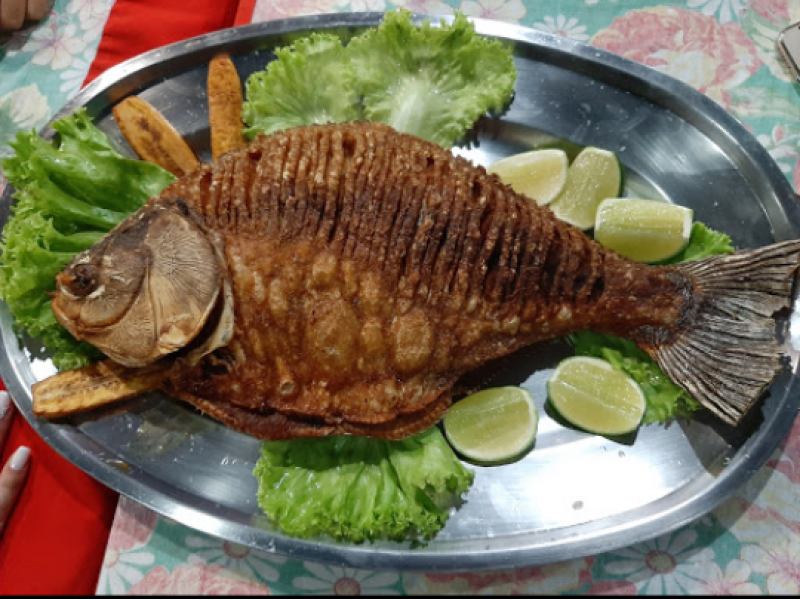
[574,494]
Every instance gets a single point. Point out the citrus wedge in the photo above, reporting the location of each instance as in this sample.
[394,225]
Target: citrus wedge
[644,230]
[592,395]
[539,174]
[494,425]
[594,175]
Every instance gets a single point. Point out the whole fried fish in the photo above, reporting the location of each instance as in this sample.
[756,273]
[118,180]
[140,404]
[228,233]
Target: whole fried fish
[341,278]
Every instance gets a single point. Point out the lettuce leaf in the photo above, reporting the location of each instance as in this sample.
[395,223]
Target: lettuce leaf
[359,489]
[69,193]
[665,400]
[433,82]
[309,82]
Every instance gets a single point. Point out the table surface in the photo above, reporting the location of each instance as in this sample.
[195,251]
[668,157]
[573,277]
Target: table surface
[749,545]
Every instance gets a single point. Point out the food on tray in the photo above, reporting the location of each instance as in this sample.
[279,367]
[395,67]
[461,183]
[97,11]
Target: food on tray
[644,230]
[591,394]
[340,279]
[361,489]
[432,82]
[537,174]
[224,105]
[152,137]
[94,385]
[494,425]
[593,176]
[69,193]
[371,269]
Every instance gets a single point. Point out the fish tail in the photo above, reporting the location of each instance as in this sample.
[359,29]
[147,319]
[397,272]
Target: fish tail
[729,353]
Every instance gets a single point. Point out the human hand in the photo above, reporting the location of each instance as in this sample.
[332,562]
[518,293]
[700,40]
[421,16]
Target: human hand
[12,477]
[14,13]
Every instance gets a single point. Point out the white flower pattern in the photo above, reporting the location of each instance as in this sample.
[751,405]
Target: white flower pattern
[362,5]
[668,565]
[72,78]
[92,15]
[780,565]
[55,45]
[234,557]
[121,570]
[502,10]
[343,581]
[563,26]
[25,107]
[729,10]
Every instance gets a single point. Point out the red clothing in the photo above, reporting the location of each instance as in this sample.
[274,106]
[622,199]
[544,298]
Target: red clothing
[55,541]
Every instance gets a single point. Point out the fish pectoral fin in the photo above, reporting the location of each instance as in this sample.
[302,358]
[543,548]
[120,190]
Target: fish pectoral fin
[95,385]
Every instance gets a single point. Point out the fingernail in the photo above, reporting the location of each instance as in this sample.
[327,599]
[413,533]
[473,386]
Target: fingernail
[19,459]
[5,402]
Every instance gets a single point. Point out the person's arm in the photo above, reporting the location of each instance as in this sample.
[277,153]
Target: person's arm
[12,477]
[14,13]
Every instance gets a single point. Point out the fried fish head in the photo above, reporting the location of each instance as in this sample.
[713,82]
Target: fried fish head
[145,290]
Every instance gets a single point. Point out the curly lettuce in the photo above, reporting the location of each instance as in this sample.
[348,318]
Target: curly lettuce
[432,82]
[310,82]
[69,193]
[359,489]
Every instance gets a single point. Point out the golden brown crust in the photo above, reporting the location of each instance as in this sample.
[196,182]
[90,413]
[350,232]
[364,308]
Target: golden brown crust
[371,269]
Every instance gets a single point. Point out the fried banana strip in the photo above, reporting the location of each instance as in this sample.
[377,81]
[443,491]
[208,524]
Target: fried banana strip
[93,386]
[152,137]
[224,105]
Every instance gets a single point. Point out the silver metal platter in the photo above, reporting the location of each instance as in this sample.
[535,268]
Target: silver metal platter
[575,494]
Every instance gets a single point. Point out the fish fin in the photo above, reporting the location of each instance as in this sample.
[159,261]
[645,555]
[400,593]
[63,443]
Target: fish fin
[730,353]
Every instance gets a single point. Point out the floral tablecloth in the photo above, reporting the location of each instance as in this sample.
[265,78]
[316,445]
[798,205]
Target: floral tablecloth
[749,545]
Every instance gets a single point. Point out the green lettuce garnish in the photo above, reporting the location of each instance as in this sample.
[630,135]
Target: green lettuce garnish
[665,400]
[69,193]
[308,82]
[432,82]
[359,489]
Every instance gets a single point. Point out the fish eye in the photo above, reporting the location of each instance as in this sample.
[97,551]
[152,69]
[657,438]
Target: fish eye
[84,280]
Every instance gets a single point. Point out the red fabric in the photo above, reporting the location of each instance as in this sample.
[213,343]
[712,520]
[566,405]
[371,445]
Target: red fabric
[136,26]
[244,15]
[55,541]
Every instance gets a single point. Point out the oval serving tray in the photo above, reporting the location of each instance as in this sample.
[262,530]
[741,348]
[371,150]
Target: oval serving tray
[575,494]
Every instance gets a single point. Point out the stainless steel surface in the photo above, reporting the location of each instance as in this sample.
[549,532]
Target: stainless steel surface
[574,494]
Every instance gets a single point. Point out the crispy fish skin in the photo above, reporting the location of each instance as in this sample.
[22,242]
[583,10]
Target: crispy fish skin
[371,270]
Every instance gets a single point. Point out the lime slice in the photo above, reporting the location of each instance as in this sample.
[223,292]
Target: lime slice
[594,175]
[538,174]
[493,425]
[593,395]
[644,230]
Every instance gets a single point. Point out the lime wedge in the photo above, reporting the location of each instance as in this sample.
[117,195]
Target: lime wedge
[591,394]
[594,175]
[494,425]
[539,174]
[644,230]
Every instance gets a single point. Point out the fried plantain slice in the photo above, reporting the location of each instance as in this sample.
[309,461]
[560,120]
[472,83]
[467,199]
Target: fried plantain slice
[93,386]
[224,105]
[152,137]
